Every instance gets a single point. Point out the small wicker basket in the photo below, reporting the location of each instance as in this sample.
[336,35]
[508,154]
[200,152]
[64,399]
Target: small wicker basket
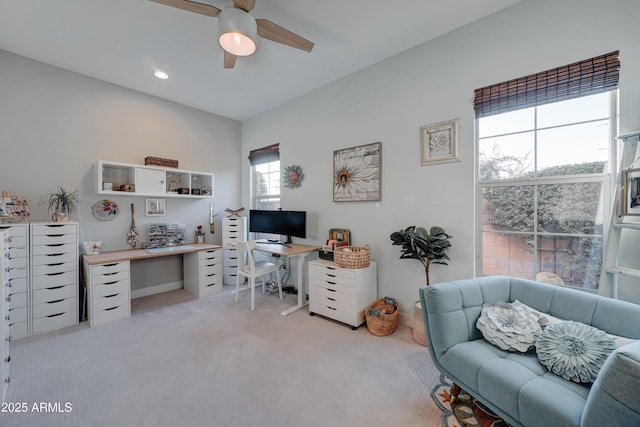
[382,317]
[352,256]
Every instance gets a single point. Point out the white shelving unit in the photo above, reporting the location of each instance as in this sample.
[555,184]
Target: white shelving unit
[234,228]
[614,267]
[4,328]
[143,180]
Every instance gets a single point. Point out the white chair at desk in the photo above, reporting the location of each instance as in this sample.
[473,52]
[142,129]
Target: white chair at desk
[252,269]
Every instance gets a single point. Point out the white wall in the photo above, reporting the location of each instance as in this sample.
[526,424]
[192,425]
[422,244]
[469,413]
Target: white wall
[389,102]
[55,124]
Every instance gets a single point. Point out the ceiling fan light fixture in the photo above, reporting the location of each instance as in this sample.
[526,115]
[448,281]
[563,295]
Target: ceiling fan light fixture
[238,32]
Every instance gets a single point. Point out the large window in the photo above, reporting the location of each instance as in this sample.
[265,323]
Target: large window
[544,178]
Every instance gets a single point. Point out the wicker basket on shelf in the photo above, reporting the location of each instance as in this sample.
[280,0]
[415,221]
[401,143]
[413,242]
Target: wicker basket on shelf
[352,256]
[382,316]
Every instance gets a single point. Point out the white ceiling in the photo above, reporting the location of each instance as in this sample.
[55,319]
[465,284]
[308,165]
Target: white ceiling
[123,41]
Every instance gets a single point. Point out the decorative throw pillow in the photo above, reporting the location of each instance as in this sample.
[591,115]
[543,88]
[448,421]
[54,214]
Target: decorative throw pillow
[510,327]
[574,351]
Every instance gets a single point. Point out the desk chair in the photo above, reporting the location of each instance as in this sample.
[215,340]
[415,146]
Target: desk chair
[252,269]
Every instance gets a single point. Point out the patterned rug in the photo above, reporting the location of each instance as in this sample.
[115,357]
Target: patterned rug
[463,413]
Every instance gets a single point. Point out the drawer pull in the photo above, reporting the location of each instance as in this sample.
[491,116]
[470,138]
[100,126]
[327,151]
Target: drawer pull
[55,287]
[7,359]
[331,308]
[110,274]
[7,317]
[8,298]
[111,283]
[54,274]
[331,283]
[331,299]
[112,308]
[110,265]
[212,274]
[331,290]
[55,235]
[9,338]
[55,254]
[56,301]
[8,380]
[53,245]
[111,296]
[10,284]
[55,315]
[331,275]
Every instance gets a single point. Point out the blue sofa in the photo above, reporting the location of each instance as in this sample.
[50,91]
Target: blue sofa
[515,385]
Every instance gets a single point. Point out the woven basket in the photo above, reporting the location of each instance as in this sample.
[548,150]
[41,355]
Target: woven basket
[352,256]
[382,317]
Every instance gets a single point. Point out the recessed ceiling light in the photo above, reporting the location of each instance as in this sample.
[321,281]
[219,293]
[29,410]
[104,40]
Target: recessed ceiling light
[161,74]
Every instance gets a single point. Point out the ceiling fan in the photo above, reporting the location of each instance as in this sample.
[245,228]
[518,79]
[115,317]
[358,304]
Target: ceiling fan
[238,29]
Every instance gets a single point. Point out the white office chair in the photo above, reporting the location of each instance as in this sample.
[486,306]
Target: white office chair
[252,269]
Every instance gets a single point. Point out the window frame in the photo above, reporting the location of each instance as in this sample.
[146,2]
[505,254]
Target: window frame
[608,180]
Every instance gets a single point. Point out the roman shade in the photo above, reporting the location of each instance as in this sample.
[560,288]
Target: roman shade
[267,154]
[588,77]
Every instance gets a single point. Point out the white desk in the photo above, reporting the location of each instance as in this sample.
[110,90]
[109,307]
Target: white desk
[292,250]
[107,277]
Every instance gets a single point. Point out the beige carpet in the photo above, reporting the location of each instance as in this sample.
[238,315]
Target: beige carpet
[184,362]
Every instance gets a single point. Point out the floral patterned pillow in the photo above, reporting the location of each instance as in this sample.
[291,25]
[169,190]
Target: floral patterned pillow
[509,326]
[574,351]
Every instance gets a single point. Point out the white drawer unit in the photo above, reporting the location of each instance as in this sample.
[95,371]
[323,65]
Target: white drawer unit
[109,292]
[54,275]
[341,294]
[18,278]
[234,228]
[4,327]
[203,272]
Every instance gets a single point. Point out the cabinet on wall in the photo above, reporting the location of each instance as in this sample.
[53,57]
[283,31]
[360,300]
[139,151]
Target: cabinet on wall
[18,278]
[4,328]
[341,294]
[108,292]
[203,272]
[141,180]
[234,228]
[54,275]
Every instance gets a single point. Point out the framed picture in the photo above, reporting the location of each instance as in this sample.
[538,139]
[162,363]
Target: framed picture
[440,143]
[631,192]
[155,207]
[357,173]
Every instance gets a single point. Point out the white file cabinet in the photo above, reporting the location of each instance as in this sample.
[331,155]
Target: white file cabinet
[108,292]
[18,277]
[234,228]
[4,328]
[203,272]
[341,294]
[54,275]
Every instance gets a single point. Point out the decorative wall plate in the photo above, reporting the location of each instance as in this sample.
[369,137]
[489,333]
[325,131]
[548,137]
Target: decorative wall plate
[105,210]
[293,176]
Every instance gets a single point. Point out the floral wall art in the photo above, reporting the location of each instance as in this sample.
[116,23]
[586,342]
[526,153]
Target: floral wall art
[440,143]
[357,173]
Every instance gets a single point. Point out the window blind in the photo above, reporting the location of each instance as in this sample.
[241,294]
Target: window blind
[267,154]
[583,78]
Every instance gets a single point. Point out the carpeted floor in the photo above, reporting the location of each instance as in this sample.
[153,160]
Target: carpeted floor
[184,362]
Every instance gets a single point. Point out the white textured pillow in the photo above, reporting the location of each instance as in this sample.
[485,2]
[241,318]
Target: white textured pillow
[574,351]
[510,327]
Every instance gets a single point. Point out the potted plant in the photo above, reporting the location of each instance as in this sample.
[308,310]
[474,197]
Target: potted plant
[428,247]
[60,203]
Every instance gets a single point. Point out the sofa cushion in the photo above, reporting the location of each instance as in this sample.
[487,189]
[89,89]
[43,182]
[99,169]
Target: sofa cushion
[509,326]
[574,351]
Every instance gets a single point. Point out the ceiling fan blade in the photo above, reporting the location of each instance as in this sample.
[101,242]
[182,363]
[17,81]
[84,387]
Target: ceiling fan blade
[191,6]
[246,5]
[276,33]
[229,59]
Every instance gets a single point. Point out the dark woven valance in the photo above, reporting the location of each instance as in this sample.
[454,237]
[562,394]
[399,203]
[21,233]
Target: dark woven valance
[264,155]
[582,78]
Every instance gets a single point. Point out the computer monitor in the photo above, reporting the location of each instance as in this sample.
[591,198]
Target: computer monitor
[283,223]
